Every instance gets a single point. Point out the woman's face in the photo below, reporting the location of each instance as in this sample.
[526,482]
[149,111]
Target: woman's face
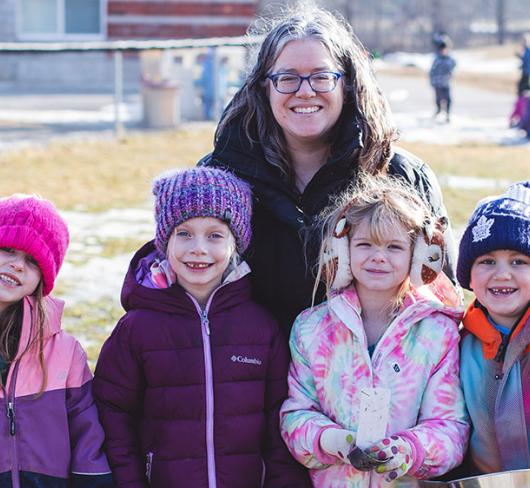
[305,116]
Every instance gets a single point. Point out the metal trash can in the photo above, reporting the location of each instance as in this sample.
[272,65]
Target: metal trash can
[161,107]
[507,479]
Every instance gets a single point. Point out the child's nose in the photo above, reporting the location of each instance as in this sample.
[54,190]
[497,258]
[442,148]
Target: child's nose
[503,272]
[198,246]
[17,263]
[379,255]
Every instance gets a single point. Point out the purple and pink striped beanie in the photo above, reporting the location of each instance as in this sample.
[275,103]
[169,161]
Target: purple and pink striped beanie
[33,225]
[202,192]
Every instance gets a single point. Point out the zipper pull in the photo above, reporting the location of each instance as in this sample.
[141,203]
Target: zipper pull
[11,417]
[206,322]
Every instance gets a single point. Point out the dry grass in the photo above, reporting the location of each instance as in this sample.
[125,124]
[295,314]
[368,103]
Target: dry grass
[96,175]
[475,159]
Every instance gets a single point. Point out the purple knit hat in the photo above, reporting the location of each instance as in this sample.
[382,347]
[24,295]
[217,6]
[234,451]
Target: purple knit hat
[202,192]
[33,225]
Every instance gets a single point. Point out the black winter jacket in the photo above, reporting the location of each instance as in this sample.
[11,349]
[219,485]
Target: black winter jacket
[282,266]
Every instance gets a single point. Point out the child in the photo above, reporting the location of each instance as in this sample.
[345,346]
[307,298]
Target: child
[494,263]
[190,383]
[374,392]
[440,76]
[49,432]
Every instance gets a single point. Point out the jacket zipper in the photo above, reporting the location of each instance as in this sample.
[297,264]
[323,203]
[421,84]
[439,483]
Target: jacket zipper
[10,412]
[208,371]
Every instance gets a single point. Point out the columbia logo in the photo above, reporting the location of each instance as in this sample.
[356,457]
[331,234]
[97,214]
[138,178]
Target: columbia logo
[396,367]
[244,359]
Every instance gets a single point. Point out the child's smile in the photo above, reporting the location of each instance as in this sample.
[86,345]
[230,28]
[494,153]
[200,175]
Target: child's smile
[501,282]
[19,276]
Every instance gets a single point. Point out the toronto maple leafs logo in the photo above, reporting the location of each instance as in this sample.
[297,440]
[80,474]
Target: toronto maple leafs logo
[481,230]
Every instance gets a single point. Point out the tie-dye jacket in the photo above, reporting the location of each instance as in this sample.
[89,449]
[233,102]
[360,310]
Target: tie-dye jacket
[54,439]
[416,358]
[497,393]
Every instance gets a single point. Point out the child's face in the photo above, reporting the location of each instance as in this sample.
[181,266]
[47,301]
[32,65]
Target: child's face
[383,266]
[199,251]
[19,276]
[501,282]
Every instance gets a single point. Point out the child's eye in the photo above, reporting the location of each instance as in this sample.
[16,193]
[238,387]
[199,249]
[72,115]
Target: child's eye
[216,235]
[519,262]
[182,233]
[31,260]
[362,244]
[488,261]
[396,247]
[9,250]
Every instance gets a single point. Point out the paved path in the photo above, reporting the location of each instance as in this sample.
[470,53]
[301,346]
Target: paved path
[478,115]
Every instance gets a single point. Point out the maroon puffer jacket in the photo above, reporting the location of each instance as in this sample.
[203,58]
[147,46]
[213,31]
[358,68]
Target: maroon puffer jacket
[190,398]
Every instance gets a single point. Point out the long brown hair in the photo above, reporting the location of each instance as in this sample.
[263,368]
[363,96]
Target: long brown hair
[10,328]
[362,94]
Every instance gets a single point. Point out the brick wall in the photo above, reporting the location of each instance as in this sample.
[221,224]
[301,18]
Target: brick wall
[177,19]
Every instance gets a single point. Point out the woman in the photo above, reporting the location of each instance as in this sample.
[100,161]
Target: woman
[308,117]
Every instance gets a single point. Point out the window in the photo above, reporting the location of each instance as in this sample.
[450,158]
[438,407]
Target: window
[60,19]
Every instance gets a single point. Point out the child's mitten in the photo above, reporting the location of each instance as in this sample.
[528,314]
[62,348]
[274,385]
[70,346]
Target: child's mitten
[398,453]
[337,442]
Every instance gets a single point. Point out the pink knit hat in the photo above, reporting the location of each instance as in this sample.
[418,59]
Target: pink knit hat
[33,225]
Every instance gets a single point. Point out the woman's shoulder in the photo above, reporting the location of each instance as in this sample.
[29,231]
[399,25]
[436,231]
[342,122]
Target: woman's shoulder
[418,174]
[406,164]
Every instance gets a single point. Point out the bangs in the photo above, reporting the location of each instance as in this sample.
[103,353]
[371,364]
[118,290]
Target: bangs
[383,222]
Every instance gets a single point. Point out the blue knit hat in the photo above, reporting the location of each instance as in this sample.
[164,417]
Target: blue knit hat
[202,192]
[500,222]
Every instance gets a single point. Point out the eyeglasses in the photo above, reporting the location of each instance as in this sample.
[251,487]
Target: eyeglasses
[321,82]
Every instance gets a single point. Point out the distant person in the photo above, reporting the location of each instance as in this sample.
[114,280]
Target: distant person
[213,84]
[49,431]
[206,84]
[440,76]
[524,55]
[494,262]
[190,383]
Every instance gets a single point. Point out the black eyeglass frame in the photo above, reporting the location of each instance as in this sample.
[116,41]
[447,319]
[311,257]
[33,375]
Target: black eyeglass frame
[274,78]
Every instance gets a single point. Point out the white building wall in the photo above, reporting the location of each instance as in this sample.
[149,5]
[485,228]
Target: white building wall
[7,22]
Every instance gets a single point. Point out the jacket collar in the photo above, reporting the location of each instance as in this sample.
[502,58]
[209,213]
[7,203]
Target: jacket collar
[476,322]
[52,325]
[417,305]
[174,299]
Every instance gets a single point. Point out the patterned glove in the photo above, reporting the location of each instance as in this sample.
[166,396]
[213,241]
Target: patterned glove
[337,442]
[398,454]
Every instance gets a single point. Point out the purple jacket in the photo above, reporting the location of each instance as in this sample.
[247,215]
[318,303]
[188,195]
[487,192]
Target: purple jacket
[190,398]
[53,439]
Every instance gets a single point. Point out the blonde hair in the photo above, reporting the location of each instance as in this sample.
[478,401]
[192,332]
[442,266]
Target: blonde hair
[386,202]
[10,328]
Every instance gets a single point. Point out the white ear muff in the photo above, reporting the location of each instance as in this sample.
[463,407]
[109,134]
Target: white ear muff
[340,253]
[428,254]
